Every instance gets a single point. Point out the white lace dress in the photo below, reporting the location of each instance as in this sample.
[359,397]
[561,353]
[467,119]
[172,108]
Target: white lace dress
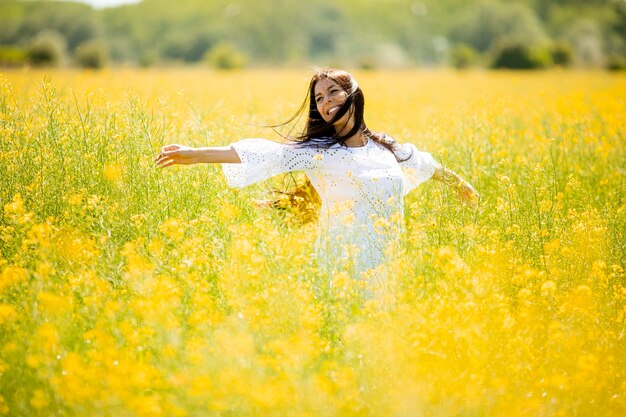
[361,189]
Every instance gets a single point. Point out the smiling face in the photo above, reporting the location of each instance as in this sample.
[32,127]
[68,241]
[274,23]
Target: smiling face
[329,97]
[335,107]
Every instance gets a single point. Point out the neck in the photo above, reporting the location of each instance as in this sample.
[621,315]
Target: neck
[358,139]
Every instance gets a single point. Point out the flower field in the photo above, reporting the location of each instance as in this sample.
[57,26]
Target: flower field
[128,290]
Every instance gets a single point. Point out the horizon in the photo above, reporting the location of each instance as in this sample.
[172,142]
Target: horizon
[102,4]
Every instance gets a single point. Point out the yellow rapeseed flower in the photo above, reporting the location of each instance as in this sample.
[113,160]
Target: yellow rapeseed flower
[11,276]
[4,407]
[548,288]
[16,212]
[39,400]
[52,303]
[48,337]
[173,228]
[7,313]
[112,172]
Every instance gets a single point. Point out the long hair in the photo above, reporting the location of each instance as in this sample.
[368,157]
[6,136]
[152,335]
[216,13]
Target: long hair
[322,134]
[303,199]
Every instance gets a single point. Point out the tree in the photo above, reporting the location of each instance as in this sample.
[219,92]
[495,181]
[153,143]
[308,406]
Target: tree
[91,54]
[516,55]
[490,22]
[463,56]
[47,49]
[226,56]
[586,39]
[562,54]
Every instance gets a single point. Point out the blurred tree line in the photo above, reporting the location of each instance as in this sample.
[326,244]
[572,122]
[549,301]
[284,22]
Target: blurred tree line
[363,33]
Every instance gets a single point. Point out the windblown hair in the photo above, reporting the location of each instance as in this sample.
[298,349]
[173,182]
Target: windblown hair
[321,134]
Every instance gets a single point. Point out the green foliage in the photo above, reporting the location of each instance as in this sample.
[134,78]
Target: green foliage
[489,22]
[282,32]
[127,290]
[463,56]
[148,58]
[187,46]
[619,22]
[11,56]
[23,20]
[515,55]
[562,54]
[367,63]
[91,54]
[226,56]
[585,36]
[616,63]
[47,49]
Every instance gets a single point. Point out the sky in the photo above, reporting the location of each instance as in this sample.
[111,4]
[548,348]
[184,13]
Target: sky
[107,3]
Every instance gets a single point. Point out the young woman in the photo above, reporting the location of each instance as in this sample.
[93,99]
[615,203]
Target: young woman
[361,176]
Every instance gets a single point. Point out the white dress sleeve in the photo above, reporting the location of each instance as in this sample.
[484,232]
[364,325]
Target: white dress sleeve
[262,159]
[418,168]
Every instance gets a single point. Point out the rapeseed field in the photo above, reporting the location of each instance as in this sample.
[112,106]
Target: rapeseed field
[127,290]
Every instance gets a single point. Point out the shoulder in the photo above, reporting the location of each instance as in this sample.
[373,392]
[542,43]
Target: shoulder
[405,151]
[402,151]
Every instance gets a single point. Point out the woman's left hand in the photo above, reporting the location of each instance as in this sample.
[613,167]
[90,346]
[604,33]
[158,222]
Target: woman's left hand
[467,193]
[176,154]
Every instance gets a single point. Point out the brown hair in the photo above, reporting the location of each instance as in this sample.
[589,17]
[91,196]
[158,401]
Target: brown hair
[303,199]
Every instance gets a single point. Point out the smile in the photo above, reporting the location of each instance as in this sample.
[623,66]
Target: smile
[332,110]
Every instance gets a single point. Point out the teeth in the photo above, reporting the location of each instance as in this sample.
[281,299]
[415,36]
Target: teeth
[333,110]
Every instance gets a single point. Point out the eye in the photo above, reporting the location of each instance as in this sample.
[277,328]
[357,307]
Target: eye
[318,99]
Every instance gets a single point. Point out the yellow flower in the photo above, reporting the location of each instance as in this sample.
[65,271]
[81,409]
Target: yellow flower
[552,246]
[580,300]
[228,212]
[12,275]
[34,361]
[52,303]
[7,313]
[348,218]
[341,281]
[39,400]
[75,199]
[48,337]
[396,218]
[4,408]
[548,288]
[45,269]
[112,172]
[381,224]
[173,229]
[16,212]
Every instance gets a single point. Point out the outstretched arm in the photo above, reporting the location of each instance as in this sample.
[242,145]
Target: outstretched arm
[186,155]
[464,189]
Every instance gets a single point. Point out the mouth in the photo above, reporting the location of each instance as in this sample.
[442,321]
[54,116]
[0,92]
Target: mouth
[332,110]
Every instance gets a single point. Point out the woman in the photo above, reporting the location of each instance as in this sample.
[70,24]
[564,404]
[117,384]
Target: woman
[360,176]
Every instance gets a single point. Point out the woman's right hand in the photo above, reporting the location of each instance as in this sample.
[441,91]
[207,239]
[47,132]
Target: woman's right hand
[176,154]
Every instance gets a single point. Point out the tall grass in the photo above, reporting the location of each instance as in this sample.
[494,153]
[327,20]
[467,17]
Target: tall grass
[128,290]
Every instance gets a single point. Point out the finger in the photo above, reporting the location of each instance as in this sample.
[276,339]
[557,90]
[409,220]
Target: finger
[167,163]
[169,148]
[168,152]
